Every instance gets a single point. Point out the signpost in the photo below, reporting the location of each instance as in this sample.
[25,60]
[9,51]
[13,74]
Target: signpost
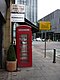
[18,8]
[44,25]
[17,12]
[15,17]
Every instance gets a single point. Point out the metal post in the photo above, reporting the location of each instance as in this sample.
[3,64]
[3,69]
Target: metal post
[45,45]
[54,56]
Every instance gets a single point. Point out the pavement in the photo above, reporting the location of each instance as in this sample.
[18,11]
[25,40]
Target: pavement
[42,69]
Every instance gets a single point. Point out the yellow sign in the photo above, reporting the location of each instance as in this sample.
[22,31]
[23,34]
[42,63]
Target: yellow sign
[44,25]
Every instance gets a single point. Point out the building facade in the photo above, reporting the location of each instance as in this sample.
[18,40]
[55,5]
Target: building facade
[4,29]
[54,18]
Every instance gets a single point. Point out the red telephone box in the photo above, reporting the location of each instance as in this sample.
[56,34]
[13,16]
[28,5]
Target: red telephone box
[24,46]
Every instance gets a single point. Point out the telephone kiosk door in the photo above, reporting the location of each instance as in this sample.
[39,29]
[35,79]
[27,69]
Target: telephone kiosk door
[24,46]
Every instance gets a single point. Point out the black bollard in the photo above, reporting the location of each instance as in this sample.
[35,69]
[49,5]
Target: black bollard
[54,56]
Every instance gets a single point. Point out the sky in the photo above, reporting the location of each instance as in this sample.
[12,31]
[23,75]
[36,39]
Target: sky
[46,7]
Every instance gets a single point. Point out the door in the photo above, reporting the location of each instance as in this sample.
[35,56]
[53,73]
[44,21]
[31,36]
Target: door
[24,50]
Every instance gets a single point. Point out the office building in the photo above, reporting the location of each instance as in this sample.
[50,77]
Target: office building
[54,18]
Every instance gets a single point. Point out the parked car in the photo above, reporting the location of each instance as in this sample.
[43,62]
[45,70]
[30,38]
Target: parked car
[43,40]
[38,39]
[34,39]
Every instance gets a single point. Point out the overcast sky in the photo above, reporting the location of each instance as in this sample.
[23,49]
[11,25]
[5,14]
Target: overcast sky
[45,7]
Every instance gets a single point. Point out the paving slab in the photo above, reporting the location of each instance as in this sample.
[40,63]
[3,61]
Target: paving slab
[42,69]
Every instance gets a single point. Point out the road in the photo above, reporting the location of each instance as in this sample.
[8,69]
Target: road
[50,46]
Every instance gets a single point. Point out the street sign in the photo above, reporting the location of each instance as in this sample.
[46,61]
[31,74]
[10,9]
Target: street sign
[18,8]
[44,25]
[17,12]
[15,17]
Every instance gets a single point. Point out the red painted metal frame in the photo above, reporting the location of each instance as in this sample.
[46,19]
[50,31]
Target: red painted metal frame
[24,29]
